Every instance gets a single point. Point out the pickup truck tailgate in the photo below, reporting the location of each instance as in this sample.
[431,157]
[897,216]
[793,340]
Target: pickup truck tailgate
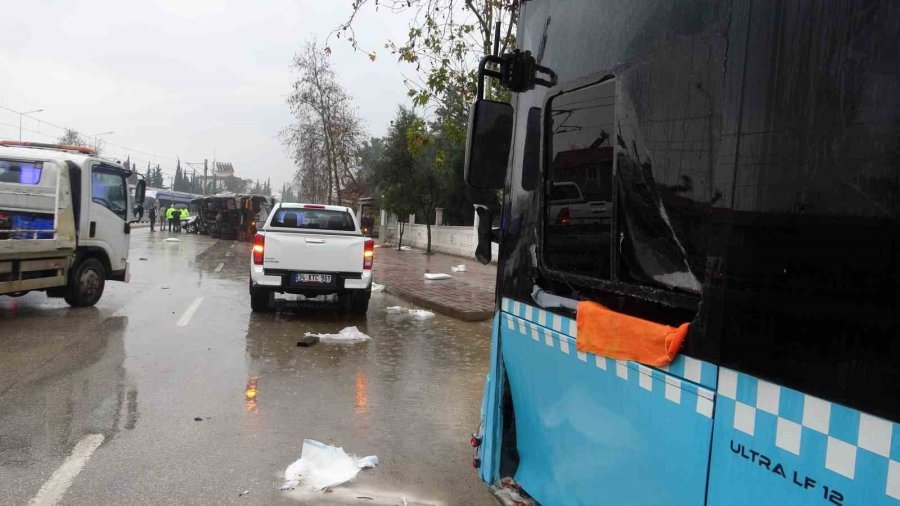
[310,252]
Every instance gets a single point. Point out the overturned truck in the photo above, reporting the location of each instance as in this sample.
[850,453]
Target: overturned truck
[230,215]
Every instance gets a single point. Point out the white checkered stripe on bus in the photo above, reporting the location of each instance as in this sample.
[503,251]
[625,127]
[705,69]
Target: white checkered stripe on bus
[847,434]
[683,366]
[654,381]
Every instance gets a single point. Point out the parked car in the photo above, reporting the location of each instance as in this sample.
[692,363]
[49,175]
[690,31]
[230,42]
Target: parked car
[311,250]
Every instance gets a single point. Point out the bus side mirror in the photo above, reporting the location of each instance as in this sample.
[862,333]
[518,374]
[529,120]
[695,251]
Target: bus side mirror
[488,144]
[140,193]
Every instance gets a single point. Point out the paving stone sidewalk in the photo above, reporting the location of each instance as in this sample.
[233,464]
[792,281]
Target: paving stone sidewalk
[466,296]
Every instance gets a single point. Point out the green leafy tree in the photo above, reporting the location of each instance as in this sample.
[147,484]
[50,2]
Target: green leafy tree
[445,41]
[407,175]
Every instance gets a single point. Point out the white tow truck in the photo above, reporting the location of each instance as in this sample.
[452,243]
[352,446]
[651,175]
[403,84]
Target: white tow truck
[65,221]
[312,250]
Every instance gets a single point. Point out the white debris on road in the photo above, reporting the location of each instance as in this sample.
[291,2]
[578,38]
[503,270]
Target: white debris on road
[376,287]
[415,313]
[405,248]
[347,334]
[321,466]
[173,239]
[459,268]
[437,275]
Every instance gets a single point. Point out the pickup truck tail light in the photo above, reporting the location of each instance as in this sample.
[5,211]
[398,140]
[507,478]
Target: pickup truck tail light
[259,248]
[563,217]
[369,254]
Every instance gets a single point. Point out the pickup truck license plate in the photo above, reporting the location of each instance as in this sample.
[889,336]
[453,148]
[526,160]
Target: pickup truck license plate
[307,278]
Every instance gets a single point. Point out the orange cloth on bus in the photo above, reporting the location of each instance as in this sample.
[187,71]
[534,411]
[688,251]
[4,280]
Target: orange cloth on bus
[605,332]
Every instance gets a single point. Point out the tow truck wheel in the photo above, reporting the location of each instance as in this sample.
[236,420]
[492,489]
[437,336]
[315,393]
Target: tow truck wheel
[86,285]
[261,301]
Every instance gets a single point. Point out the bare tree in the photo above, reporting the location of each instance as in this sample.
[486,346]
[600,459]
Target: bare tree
[326,135]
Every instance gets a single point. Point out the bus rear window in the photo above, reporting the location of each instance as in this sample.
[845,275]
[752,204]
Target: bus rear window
[313,219]
[20,172]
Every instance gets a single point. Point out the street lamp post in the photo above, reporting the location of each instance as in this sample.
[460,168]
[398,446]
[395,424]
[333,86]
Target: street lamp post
[20,119]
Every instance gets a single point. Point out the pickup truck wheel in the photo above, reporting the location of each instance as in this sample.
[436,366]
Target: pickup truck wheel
[261,301]
[86,284]
[356,302]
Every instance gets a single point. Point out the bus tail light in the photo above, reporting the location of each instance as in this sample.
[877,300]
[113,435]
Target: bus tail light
[563,217]
[259,248]
[369,254]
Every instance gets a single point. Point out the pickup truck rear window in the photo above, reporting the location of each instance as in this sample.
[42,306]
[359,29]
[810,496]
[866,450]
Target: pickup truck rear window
[20,172]
[314,219]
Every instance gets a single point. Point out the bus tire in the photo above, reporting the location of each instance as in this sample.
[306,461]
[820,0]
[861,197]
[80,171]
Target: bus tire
[86,283]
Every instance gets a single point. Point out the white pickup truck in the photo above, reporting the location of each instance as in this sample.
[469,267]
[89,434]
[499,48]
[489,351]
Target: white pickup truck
[311,250]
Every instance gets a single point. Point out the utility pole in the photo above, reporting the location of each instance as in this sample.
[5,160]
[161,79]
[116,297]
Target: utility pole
[205,170]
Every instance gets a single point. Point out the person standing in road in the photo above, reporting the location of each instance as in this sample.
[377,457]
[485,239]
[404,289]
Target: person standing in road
[153,217]
[170,216]
[183,216]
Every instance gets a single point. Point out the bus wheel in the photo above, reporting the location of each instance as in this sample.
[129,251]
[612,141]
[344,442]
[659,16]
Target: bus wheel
[86,284]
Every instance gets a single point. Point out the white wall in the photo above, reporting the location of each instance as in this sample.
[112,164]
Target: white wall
[459,241]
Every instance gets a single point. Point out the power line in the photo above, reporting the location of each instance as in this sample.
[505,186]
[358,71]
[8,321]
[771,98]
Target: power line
[63,128]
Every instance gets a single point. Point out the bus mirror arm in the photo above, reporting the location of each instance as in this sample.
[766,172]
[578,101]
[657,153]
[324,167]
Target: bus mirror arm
[486,234]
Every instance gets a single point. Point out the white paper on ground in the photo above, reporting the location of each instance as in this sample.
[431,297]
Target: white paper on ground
[459,268]
[376,287]
[322,466]
[347,334]
[405,248]
[173,239]
[437,275]
[396,309]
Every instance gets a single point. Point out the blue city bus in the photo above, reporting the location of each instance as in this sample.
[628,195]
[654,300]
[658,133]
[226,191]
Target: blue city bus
[729,165]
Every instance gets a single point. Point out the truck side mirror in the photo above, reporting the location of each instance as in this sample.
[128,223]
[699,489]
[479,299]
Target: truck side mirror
[140,193]
[488,144]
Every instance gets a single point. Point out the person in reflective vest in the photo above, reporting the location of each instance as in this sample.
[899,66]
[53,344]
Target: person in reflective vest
[170,216]
[183,216]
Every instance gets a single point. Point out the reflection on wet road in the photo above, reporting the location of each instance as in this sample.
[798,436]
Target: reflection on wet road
[198,400]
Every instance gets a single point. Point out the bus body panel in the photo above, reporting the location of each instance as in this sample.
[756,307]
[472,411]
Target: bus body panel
[791,448]
[766,131]
[591,429]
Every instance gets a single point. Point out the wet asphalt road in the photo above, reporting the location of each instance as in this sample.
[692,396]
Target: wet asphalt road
[136,371]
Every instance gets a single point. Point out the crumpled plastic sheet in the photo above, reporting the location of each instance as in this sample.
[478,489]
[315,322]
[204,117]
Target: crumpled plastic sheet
[347,334]
[322,466]
[459,268]
[376,287]
[437,275]
[173,239]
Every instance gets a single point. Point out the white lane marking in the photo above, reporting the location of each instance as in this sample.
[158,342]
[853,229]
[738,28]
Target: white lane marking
[219,267]
[54,489]
[186,317]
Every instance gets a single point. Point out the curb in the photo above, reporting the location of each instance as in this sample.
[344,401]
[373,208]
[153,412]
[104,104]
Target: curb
[459,314]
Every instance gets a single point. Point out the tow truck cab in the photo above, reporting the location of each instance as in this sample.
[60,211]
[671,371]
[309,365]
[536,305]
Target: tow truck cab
[65,220]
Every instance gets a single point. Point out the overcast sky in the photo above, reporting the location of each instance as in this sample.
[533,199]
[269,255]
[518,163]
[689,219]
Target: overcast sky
[188,78]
